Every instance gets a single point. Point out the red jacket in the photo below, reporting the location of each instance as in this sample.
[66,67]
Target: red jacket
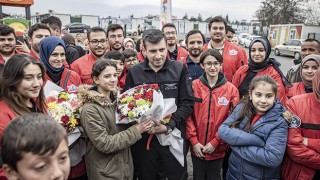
[182,55]
[6,115]
[233,58]
[73,82]
[271,71]
[140,56]
[33,54]
[122,79]
[83,67]
[216,104]
[303,161]
[297,89]
[2,61]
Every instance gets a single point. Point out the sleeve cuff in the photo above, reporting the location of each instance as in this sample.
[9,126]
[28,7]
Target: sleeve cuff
[193,140]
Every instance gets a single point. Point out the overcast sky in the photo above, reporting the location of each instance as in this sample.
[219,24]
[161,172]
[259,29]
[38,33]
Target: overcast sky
[236,9]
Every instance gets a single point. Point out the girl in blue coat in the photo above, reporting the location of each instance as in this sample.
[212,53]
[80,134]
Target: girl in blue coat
[257,132]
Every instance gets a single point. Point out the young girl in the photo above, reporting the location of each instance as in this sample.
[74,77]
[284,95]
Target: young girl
[108,154]
[215,94]
[260,64]
[21,89]
[303,150]
[309,66]
[257,132]
[53,54]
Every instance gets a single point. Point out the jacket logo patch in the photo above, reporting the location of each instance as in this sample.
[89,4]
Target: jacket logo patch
[233,52]
[72,88]
[295,123]
[223,101]
[172,86]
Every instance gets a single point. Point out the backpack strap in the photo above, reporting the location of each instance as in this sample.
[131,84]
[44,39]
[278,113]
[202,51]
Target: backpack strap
[66,80]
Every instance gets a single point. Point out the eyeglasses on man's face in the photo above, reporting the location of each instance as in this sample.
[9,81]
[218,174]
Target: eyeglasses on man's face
[95,42]
[209,64]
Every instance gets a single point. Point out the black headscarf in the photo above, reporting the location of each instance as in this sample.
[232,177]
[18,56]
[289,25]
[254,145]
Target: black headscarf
[254,67]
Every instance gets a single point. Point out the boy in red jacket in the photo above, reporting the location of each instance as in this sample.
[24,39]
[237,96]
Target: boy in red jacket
[215,96]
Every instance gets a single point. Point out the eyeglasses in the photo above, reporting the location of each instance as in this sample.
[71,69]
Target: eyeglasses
[170,32]
[96,42]
[209,64]
[130,60]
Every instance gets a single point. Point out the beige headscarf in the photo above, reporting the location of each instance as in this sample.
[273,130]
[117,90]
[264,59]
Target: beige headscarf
[311,57]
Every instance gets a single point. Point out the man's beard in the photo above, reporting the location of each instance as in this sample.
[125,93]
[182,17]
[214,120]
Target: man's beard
[7,53]
[195,54]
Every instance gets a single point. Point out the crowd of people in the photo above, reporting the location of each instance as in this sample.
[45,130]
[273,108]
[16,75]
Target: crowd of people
[239,115]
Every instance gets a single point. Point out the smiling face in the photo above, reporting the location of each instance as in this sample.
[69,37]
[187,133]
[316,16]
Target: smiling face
[31,83]
[57,57]
[258,53]
[107,80]
[195,45]
[309,69]
[263,97]
[171,35]
[211,66]
[7,44]
[115,39]
[97,43]
[39,167]
[37,36]
[218,31]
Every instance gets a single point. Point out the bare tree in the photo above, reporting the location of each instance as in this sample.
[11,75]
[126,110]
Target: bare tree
[311,10]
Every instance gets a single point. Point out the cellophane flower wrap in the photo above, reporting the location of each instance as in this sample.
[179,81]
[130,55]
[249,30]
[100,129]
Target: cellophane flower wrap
[137,103]
[64,108]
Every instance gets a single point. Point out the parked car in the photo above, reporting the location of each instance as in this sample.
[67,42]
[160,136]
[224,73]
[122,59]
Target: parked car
[242,36]
[248,39]
[77,28]
[289,48]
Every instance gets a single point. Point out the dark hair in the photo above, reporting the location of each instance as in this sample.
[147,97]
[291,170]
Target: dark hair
[6,30]
[169,25]
[53,22]
[116,55]
[69,39]
[195,31]
[248,111]
[113,27]
[36,133]
[211,52]
[11,76]
[101,65]
[128,53]
[230,29]
[152,36]
[314,40]
[95,29]
[37,26]
[217,19]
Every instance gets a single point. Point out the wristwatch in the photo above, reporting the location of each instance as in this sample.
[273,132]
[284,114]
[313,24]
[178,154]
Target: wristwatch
[169,130]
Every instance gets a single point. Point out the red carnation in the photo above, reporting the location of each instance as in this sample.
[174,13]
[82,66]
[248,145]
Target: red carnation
[60,100]
[149,95]
[138,96]
[130,106]
[51,99]
[65,120]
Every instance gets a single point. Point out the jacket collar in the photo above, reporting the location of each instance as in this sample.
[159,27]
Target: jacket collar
[88,94]
[221,80]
